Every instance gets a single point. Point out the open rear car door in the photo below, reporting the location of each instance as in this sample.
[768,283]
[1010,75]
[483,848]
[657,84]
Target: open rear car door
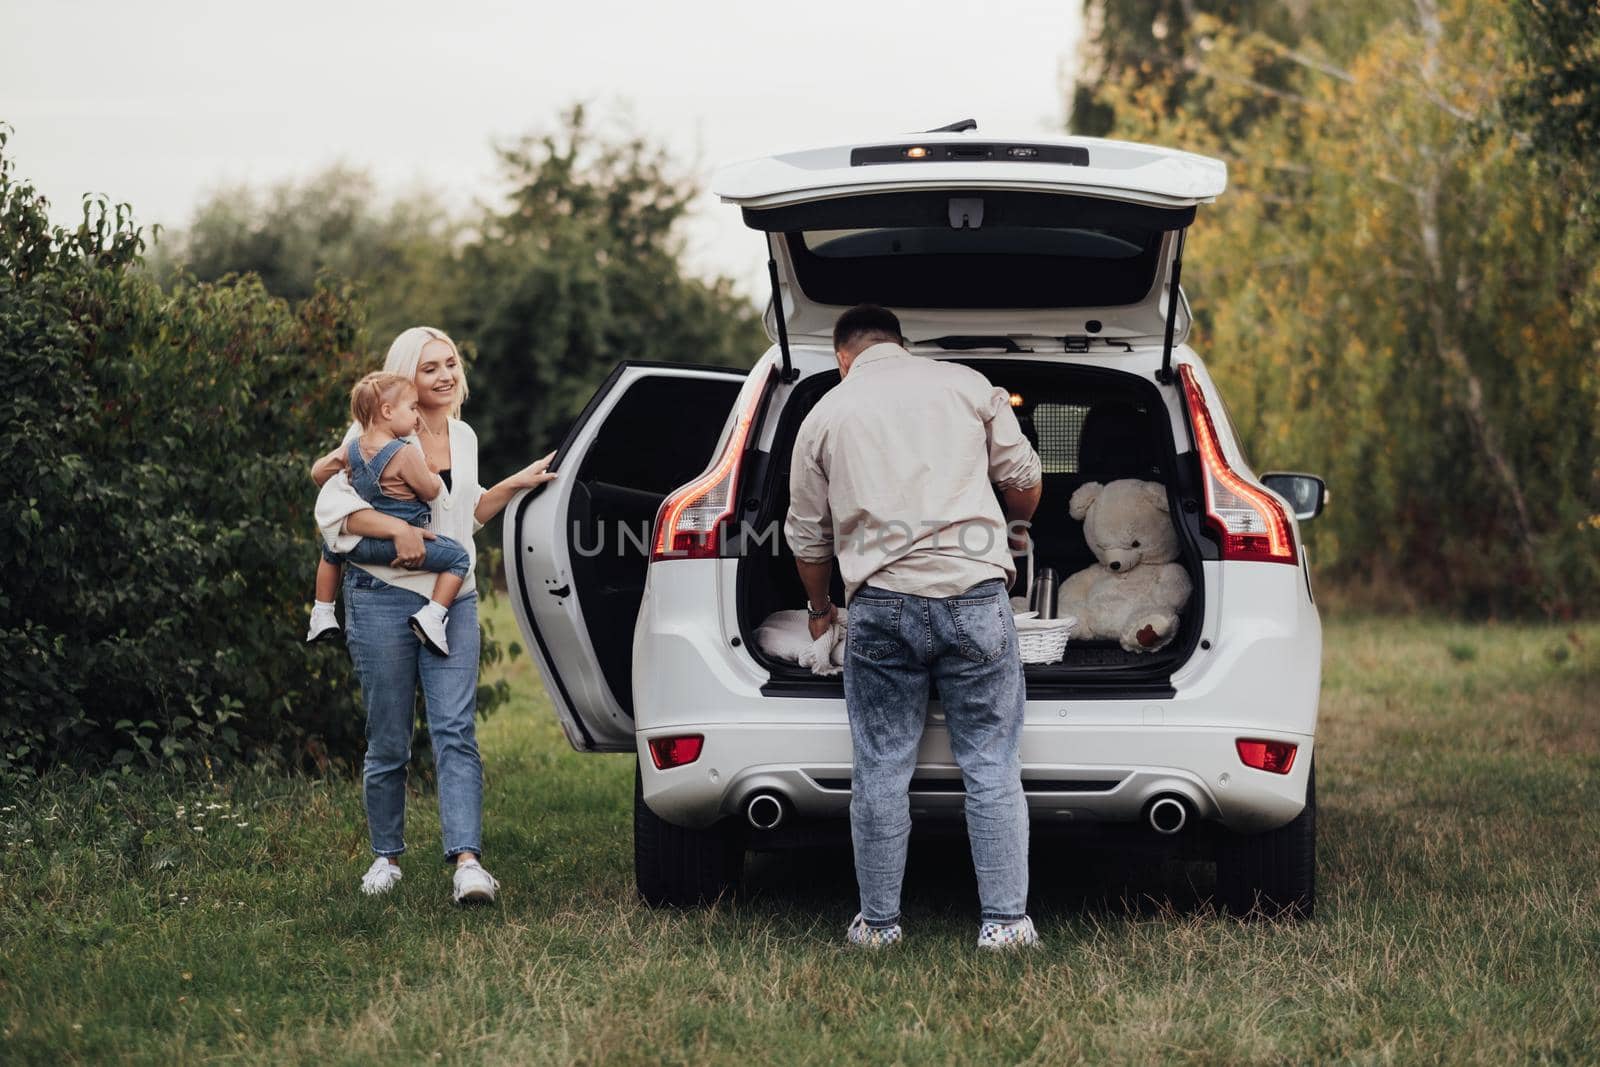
[577,549]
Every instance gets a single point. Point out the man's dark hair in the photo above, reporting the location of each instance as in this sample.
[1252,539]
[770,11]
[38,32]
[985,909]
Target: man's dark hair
[865,321]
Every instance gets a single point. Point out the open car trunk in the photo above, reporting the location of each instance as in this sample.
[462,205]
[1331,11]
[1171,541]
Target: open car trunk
[1087,424]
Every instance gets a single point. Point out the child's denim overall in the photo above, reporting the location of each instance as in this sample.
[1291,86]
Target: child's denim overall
[443,553]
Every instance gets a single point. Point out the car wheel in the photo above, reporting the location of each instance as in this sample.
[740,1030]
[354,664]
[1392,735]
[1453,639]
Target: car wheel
[679,867]
[1273,874]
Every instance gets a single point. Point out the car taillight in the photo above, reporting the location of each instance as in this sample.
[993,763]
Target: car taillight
[1274,756]
[688,523]
[1249,522]
[669,752]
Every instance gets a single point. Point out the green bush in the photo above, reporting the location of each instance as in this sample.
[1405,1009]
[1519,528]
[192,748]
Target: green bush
[157,529]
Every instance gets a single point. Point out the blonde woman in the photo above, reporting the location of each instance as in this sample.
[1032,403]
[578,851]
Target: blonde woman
[379,602]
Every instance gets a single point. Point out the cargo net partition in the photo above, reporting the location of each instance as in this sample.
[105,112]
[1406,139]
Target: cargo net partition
[1056,431]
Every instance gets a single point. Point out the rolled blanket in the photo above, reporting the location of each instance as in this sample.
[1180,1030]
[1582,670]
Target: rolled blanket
[825,655]
[786,635]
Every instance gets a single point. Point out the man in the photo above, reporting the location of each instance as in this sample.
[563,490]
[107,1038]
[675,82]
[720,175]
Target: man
[892,474]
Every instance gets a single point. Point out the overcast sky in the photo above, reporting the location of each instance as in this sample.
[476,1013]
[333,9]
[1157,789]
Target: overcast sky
[157,102]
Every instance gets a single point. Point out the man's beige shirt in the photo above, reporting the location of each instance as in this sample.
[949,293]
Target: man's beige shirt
[892,473]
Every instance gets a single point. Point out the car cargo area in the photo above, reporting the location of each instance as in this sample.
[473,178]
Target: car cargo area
[1087,424]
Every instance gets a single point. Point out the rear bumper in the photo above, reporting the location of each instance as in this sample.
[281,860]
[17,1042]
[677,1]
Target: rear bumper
[1070,774]
[1259,678]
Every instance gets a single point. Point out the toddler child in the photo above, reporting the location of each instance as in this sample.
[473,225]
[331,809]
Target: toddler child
[392,475]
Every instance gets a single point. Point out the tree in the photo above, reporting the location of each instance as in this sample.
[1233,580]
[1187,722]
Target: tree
[398,254]
[579,269]
[1388,294]
[1151,42]
[1555,95]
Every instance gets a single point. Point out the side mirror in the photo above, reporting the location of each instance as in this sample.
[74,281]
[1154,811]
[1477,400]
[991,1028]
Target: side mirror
[1306,493]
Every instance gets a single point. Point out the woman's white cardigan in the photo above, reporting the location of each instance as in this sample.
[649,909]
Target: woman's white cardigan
[452,511]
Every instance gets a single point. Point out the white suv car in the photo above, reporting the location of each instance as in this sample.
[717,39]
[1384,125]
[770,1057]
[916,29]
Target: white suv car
[1051,266]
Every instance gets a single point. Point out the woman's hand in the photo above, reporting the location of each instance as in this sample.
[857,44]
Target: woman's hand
[410,548]
[534,474]
[494,500]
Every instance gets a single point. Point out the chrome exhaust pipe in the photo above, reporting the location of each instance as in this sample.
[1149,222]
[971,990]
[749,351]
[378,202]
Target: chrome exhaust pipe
[765,811]
[1167,814]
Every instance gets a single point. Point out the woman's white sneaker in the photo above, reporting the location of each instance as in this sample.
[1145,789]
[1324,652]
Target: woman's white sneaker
[473,884]
[381,877]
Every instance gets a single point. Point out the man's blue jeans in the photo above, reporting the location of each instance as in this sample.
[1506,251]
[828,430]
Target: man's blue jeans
[967,644]
[391,663]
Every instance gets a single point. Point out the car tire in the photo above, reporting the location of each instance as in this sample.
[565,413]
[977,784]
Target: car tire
[1272,875]
[678,867]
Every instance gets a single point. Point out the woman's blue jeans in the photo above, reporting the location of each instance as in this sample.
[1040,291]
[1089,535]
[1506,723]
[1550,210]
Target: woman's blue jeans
[896,642]
[391,663]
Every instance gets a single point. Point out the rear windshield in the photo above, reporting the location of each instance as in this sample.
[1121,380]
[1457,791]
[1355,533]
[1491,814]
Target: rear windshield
[988,267]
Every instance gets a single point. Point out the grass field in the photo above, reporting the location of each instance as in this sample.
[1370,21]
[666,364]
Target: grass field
[1458,919]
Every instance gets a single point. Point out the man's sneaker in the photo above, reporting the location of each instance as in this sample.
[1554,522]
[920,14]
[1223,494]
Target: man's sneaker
[324,627]
[1000,936]
[430,631]
[381,877]
[863,936]
[473,884]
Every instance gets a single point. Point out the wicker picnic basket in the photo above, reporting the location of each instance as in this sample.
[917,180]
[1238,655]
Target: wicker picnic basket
[1042,640]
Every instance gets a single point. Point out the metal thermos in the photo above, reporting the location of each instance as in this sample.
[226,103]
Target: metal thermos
[1043,597]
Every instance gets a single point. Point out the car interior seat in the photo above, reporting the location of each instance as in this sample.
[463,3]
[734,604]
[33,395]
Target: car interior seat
[1114,440]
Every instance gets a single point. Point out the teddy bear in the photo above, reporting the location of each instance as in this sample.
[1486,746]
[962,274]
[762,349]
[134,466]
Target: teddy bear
[1136,591]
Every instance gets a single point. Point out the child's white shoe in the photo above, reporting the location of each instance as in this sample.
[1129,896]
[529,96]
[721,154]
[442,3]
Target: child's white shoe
[429,626]
[324,625]
[381,877]
[473,884]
